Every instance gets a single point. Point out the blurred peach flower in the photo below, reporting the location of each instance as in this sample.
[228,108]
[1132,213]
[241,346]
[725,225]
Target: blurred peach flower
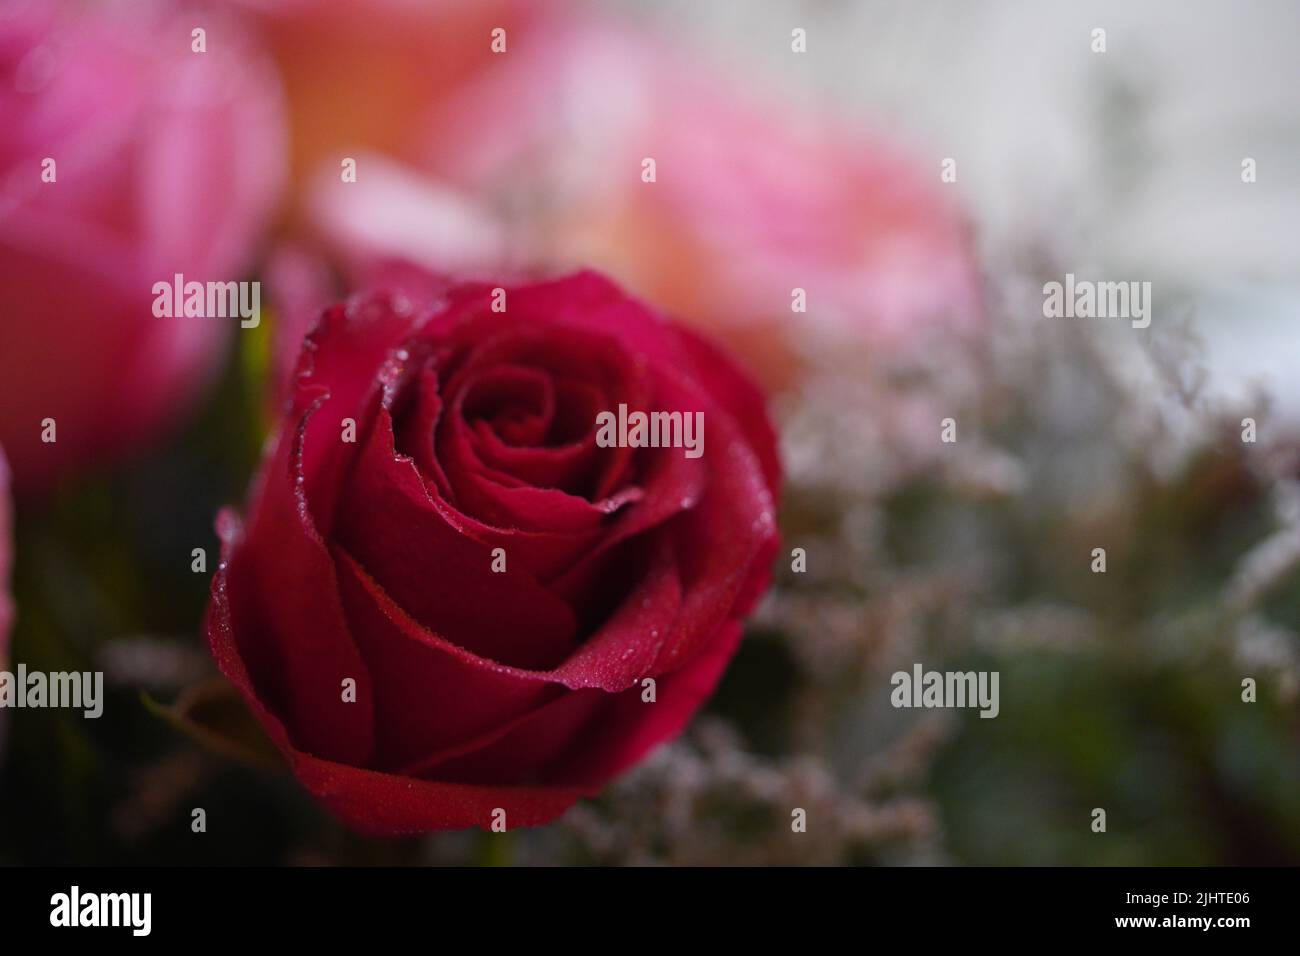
[356,73]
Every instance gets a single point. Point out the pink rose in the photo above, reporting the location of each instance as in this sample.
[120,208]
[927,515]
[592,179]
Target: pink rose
[750,201]
[127,158]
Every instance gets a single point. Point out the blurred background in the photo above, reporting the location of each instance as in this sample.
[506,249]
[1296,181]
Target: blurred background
[919,171]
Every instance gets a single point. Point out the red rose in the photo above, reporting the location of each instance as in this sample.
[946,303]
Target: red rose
[372,561]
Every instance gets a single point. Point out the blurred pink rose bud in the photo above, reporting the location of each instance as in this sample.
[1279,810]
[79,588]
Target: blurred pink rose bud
[138,144]
[598,147]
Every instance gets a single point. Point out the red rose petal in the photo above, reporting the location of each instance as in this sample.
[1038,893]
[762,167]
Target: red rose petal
[434,694]
[738,394]
[630,727]
[370,801]
[382,804]
[440,577]
[281,632]
[589,737]
[337,374]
